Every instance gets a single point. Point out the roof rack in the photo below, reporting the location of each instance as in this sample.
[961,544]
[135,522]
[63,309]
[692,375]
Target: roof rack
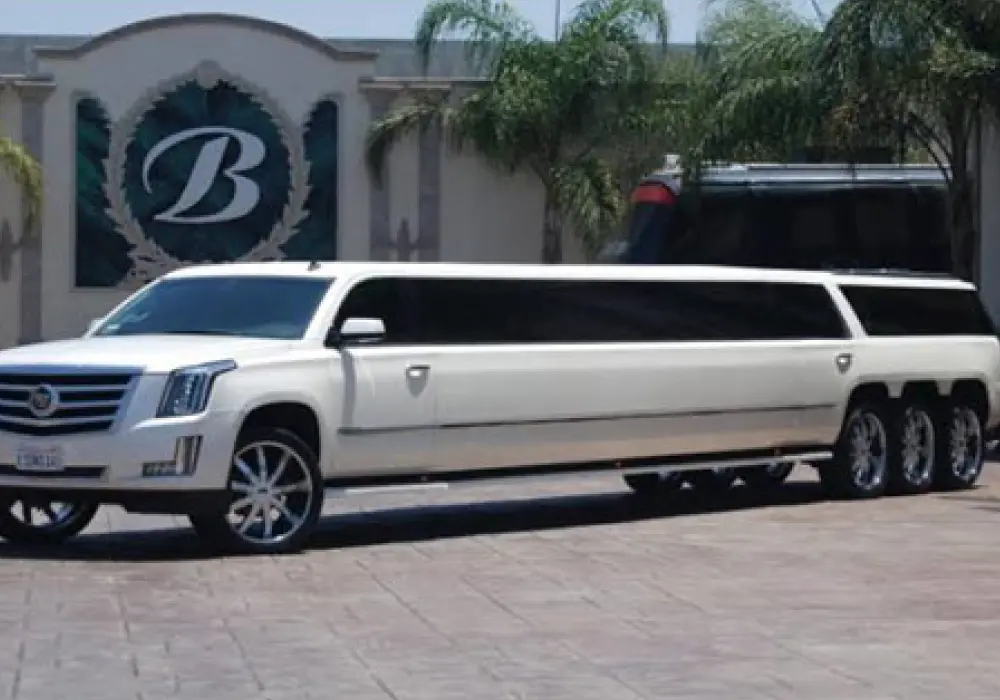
[727,172]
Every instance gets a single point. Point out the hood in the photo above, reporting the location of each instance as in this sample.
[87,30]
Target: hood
[152,353]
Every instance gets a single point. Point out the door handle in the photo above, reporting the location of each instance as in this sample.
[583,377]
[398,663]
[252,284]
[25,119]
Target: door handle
[843,361]
[417,371]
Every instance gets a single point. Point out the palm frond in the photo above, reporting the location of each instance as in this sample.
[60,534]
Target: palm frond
[486,25]
[762,93]
[644,18]
[754,36]
[402,121]
[894,57]
[27,173]
[589,197]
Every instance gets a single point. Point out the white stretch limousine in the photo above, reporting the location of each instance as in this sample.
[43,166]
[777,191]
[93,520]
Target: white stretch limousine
[240,394]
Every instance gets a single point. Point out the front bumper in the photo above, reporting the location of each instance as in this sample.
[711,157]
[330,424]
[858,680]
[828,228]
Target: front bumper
[145,467]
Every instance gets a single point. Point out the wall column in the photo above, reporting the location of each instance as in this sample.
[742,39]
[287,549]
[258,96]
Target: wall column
[380,239]
[33,99]
[429,211]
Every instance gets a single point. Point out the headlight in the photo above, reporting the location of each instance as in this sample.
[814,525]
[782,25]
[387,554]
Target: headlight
[188,389]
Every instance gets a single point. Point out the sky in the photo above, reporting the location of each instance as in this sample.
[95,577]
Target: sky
[375,19]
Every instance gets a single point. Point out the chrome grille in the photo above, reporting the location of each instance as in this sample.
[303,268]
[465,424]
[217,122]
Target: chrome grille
[82,402]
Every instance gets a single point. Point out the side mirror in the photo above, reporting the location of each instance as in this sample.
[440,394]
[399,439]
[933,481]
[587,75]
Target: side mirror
[358,331]
[93,325]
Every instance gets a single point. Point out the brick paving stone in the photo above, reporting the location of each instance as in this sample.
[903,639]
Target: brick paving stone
[560,591]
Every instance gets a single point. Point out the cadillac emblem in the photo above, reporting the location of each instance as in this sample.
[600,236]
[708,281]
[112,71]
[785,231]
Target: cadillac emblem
[43,401]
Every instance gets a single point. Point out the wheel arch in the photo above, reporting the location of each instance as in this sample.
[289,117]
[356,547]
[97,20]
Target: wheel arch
[869,390]
[974,390]
[929,390]
[293,412]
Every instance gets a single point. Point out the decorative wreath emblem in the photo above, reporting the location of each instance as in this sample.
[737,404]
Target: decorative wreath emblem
[150,259]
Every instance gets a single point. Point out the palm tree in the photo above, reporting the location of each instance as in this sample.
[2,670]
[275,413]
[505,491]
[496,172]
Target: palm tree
[550,107]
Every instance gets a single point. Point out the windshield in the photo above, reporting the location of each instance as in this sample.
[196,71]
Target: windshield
[251,306]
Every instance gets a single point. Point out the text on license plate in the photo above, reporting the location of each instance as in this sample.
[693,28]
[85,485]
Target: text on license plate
[33,459]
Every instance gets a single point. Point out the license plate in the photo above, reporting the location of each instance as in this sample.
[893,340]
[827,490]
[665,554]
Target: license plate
[44,459]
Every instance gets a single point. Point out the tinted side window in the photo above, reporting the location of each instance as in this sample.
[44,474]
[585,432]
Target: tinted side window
[927,220]
[735,311]
[893,311]
[711,228]
[384,298]
[883,232]
[463,311]
[802,228]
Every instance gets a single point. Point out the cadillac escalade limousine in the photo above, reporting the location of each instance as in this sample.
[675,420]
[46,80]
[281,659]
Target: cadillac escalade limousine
[241,395]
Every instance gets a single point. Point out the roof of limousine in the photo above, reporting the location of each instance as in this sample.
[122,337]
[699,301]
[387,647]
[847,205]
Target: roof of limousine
[333,270]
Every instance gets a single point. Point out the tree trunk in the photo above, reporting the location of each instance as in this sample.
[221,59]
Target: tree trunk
[552,233]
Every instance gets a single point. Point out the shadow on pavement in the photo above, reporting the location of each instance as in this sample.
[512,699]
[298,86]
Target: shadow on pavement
[425,523]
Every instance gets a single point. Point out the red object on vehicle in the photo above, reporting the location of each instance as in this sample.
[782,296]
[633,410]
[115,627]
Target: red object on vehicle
[653,193]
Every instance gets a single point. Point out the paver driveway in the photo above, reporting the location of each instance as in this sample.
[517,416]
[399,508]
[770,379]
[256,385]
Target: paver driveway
[577,594]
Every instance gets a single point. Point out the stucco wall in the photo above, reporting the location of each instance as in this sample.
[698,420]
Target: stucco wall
[489,216]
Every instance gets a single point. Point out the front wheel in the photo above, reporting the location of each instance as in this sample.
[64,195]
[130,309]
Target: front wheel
[961,447]
[276,495]
[40,521]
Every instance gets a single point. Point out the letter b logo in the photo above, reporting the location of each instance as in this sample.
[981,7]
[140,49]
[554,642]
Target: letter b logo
[206,170]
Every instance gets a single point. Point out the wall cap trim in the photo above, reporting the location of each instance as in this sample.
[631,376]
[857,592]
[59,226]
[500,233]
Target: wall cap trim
[386,84]
[27,84]
[205,18]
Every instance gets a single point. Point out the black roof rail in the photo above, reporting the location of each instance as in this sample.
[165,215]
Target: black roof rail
[890,272]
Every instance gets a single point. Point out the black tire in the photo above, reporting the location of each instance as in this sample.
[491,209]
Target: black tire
[839,476]
[654,485]
[65,522]
[304,501]
[766,478]
[712,482]
[913,450]
[960,459]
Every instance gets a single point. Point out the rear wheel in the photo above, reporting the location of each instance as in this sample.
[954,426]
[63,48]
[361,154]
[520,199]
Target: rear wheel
[40,521]
[961,446]
[860,464]
[913,449]
[654,484]
[276,496]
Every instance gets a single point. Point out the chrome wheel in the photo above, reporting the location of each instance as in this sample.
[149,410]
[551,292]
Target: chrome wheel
[917,448]
[867,454]
[273,493]
[965,444]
